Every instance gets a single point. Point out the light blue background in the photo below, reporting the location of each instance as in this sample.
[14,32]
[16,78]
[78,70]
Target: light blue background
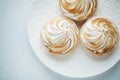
[17,60]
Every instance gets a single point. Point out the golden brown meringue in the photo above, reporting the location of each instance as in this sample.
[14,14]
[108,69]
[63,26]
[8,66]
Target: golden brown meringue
[78,9]
[99,36]
[60,35]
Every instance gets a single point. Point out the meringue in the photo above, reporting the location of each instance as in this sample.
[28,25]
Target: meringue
[78,10]
[60,35]
[99,36]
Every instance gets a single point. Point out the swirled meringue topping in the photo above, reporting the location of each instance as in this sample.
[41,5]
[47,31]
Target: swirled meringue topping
[78,9]
[60,35]
[99,36]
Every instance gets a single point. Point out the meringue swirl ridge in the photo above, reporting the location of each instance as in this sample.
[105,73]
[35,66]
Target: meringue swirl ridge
[99,36]
[60,35]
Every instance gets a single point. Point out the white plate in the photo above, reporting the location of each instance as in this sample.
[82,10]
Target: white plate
[79,64]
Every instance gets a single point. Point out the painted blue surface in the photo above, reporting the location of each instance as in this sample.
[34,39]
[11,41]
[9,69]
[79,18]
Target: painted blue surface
[17,60]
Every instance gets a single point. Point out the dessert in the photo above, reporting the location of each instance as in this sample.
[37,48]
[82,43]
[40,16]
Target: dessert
[60,35]
[99,36]
[78,10]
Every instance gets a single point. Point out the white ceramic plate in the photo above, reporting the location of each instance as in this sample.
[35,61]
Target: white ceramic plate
[79,64]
